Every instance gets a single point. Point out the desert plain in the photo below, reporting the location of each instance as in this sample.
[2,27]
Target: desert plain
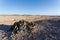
[49,27]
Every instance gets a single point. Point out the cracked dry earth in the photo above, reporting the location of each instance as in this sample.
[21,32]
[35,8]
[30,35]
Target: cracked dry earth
[44,30]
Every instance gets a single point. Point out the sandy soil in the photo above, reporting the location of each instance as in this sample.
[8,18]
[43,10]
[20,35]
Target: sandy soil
[7,21]
[12,19]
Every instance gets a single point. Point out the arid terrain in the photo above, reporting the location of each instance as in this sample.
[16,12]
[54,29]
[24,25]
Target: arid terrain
[47,28]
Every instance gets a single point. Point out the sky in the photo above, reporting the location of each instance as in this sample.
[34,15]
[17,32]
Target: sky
[30,7]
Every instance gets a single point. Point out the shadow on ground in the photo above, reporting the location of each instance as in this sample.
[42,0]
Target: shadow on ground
[5,28]
[51,29]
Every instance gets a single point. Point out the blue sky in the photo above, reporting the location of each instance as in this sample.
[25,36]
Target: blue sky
[30,7]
